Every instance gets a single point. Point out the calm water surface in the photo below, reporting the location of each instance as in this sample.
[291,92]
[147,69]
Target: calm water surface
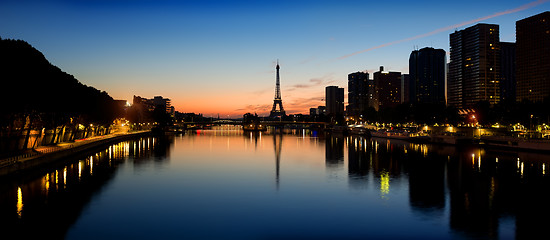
[226,184]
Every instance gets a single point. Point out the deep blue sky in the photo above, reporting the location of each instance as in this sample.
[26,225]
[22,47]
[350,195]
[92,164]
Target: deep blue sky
[219,56]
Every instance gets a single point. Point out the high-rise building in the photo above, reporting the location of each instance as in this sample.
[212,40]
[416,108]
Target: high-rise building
[387,89]
[405,88]
[334,100]
[358,91]
[474,67]
[507,71]
[427,76]
[371,95]
[533,57]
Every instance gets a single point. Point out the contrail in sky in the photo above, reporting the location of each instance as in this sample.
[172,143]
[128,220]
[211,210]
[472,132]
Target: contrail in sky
[520,8]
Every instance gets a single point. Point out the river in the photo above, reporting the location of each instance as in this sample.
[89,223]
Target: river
[296,184]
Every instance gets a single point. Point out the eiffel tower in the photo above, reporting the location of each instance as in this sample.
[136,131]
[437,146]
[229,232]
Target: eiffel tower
[277,101]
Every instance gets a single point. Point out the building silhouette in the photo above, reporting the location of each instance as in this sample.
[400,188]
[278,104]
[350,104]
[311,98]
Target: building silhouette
[387,87]
[358,93]
[371,96]
[474,67]
[164,103]
[427,76]
[533,57]
[405,88]
[507,71]
[334,100]
[277,101]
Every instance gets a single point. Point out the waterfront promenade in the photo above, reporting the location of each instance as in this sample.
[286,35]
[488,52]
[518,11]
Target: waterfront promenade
[48,154]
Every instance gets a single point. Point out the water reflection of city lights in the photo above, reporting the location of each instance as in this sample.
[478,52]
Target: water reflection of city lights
[384,184]
[56,179]
[479,162]
[65,177]
[19,202]
[521,169]
[79,169]
[46,183]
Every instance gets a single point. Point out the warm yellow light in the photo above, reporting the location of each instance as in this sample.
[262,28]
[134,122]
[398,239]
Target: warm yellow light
[47,182]
[19,202]
[384,184]
[522,169]
[65,177]
[79,169]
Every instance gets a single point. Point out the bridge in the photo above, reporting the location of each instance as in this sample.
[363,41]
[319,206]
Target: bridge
[277,124]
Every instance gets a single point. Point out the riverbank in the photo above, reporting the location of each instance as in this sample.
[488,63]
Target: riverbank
[540,145]
[49,154]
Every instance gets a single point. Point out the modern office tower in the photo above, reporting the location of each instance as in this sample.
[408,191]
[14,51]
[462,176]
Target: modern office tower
[507,71]
[474,67]
[405,88]
[533,57]
[387,89]
[334,100]
[371,95]
[427,76]
[358,91]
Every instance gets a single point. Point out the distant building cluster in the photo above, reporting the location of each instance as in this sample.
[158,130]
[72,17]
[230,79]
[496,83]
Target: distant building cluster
[144,109]
[480,68]
[154,103]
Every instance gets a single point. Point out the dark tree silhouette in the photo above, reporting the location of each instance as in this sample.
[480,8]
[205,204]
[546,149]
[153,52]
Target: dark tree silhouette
[32,89]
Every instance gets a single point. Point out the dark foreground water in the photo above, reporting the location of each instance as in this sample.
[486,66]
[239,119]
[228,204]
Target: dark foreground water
[226,184]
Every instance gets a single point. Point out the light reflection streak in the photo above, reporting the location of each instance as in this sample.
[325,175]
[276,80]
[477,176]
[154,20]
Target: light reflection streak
[384,184]
[521,169]
[479,162]
[19,202]
[65,177]
[56,179]
[79,169]
[47,183]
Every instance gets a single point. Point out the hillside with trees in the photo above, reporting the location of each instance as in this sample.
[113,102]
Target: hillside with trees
[37,95]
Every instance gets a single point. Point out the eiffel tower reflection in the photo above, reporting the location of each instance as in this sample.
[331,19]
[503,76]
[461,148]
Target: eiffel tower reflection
[277,145]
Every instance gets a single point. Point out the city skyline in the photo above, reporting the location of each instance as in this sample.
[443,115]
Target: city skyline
[217,57]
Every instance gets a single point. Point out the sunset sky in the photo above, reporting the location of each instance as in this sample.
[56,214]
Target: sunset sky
[219,57]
